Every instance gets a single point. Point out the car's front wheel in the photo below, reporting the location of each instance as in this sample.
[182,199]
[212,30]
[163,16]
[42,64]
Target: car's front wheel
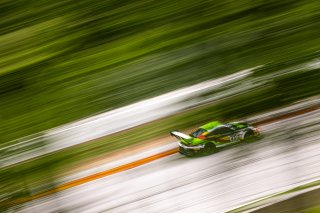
[248,136]
[209,148]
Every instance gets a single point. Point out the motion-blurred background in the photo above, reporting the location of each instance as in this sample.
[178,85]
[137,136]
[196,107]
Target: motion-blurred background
[62,61]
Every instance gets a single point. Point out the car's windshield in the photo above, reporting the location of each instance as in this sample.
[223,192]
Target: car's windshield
[197,132]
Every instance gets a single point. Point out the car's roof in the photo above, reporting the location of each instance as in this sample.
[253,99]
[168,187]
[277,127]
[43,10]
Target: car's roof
[211,125]
[239,124]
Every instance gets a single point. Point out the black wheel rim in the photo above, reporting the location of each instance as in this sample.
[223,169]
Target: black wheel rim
[209,148]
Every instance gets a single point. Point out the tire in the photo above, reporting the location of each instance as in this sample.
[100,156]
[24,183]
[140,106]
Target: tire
[248,136]
[209,148]
[185,152]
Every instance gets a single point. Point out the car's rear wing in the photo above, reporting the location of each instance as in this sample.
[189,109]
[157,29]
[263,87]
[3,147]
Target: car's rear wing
[181,136]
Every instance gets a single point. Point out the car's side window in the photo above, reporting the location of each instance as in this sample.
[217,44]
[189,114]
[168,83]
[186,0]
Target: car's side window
[221,130]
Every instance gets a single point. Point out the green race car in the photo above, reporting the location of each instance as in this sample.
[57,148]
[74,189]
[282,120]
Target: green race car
[208,137]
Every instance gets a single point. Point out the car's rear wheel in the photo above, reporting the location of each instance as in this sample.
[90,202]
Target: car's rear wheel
[188,153]
[209,148]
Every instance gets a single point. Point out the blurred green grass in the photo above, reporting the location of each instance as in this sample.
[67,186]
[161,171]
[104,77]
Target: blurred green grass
[62,61]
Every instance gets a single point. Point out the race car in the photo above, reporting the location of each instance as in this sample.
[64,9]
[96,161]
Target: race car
[208,137]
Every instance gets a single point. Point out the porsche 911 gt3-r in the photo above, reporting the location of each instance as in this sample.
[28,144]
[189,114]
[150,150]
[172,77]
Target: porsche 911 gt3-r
[212,135]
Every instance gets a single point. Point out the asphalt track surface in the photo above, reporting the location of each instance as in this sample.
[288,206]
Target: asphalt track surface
[288,156]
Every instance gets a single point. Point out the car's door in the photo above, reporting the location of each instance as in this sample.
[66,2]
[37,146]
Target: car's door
[221,134]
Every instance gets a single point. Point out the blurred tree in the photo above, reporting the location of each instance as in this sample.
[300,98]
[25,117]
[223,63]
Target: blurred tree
[62,61]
